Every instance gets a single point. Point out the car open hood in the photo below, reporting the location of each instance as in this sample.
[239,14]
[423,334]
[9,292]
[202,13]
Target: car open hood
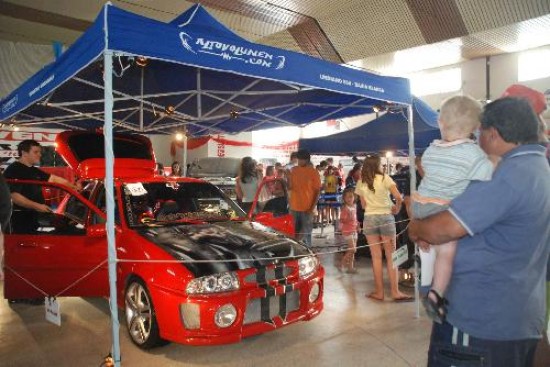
[84,152]
[243,242]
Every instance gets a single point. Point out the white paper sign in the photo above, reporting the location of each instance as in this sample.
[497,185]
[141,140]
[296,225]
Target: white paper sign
[399,256]
[136,189]
[53,314]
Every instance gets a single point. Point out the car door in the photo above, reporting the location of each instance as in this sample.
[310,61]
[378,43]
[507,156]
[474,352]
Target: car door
[56,253]
[271,207]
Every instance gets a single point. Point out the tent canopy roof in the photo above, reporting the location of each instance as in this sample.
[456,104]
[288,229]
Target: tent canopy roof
[388,132]
[200,75]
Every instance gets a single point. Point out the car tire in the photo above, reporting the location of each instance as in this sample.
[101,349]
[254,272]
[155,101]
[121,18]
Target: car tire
[140,315]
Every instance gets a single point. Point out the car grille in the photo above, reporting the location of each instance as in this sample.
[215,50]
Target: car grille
[265,309]
[266,275]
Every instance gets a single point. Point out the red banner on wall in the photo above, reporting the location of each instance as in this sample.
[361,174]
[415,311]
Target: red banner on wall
[221,150]
[193,143]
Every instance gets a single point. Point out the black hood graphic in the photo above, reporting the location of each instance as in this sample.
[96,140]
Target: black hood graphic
[244,243]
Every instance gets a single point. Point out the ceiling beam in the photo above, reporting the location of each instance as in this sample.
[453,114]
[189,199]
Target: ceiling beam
[44,17]
[438,20]
[306,30]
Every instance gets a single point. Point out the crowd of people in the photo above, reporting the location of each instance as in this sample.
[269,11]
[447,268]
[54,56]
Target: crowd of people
[481,215]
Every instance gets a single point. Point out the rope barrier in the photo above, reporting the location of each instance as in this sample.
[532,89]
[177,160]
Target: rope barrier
[342,248]
[64,290]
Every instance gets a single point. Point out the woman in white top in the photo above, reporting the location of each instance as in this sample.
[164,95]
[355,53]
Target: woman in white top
[247,183]
[374,190]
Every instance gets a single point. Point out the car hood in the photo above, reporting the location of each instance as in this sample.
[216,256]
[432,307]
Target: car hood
[246,244]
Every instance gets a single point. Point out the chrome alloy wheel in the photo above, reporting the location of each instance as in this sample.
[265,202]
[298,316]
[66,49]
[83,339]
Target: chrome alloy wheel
[139,313]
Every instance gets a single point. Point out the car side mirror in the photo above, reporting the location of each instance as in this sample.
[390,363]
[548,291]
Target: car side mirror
[97,230]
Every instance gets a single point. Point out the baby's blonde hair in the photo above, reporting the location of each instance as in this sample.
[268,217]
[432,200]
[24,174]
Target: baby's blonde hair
[459,117]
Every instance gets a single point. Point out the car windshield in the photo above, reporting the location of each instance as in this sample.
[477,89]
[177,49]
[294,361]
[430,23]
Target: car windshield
[157,203]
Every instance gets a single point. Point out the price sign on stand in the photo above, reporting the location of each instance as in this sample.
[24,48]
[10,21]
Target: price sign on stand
[53,314]
[399,256]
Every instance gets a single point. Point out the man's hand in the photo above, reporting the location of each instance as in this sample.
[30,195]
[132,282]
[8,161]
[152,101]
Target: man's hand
[78,186]
[413,235]
[423,246]
[43,208]
[413,230]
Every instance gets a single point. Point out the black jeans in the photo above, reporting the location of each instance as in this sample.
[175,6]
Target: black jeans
[452,347]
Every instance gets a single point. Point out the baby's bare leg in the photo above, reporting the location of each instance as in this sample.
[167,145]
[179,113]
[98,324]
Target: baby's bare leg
[443,270]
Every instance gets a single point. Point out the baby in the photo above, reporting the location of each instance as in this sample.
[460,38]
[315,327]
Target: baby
[449,165]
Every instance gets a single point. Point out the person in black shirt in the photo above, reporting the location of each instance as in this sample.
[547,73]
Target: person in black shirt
[5,203]
[28,200]
[5,214]
[29,197]
[403,181]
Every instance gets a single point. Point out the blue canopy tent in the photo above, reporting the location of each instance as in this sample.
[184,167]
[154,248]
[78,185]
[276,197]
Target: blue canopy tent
[388,132]
[131,73]
[199,74]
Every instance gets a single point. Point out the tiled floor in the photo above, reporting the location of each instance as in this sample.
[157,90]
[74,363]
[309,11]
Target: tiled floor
[351,331]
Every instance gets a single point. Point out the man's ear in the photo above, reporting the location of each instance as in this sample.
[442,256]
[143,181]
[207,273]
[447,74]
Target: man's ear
[493,133]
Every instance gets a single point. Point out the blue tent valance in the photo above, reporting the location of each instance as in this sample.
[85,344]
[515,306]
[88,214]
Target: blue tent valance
[388,132]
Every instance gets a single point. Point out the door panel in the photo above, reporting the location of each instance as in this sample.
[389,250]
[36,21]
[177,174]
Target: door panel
[54,254]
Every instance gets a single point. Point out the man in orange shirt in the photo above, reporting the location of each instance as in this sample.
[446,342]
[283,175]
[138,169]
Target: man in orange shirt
[305,187]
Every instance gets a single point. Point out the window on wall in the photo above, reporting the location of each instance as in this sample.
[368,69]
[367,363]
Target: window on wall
[436,82]
[534,64]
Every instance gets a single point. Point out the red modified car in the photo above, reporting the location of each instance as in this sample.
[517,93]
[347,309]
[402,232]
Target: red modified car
[192,266]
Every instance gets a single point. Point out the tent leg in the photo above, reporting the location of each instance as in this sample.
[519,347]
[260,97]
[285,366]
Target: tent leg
[412,170]
[184,163]
[109,185]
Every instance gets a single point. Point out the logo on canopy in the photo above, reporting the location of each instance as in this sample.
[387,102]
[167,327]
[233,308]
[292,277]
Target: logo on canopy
[230,52]
[10,104]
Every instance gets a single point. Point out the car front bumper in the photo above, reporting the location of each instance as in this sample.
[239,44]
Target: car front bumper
[258,311]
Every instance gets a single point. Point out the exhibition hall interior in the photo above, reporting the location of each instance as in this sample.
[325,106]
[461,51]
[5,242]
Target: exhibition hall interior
[275,183]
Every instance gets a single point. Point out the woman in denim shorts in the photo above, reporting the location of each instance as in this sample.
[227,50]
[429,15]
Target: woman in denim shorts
[374,190]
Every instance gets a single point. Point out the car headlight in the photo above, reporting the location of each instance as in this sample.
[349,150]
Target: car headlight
[214,283]
[307,266]
[225,316]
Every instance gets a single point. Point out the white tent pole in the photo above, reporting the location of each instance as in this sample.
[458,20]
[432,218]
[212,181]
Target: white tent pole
[199,94]
[412,170]
[109,185]
[184,171]
[141,102]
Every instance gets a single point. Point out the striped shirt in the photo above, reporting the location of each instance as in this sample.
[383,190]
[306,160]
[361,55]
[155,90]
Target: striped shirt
[450,166]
